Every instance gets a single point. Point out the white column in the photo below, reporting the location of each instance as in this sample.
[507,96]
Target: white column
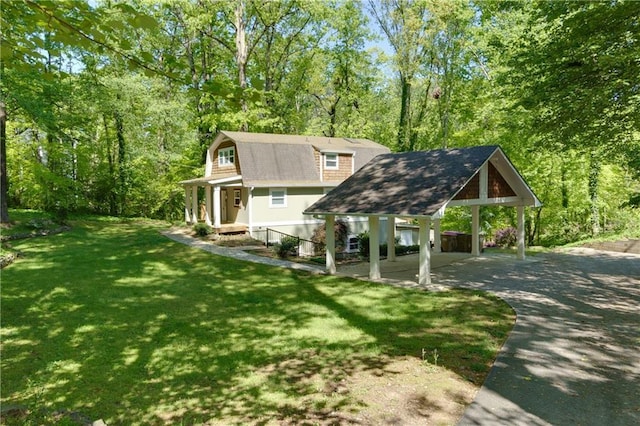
[194,204]
[374,247]
[424,276]
[217,212]
[391,238]
[187,209]
[207,205]
[520,213]
[437,241]
[475,230]
[330,222]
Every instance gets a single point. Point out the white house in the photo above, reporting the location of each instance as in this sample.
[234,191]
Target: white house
[254,181]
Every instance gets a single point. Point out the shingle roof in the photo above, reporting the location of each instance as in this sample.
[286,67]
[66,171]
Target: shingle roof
[266,158]
[408,184]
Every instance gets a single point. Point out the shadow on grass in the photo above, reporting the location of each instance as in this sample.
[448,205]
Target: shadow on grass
[117,322]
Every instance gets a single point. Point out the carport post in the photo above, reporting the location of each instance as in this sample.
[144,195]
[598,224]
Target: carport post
[374,247]
[475,230]
[391,239]
[424,276]
[520,214]
[330,221]
[437,241]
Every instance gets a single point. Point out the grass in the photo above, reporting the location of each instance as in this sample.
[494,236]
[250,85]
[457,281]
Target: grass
[114,321]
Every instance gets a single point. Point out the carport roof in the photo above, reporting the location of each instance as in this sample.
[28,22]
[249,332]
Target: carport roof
[419,184]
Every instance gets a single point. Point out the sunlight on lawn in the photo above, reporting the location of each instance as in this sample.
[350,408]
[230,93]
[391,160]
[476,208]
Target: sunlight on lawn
[159,332]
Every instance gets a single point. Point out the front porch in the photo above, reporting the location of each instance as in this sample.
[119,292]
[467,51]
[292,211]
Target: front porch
[219,203]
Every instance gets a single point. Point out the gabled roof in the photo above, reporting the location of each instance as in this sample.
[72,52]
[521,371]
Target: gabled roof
[273,159]
[418,184]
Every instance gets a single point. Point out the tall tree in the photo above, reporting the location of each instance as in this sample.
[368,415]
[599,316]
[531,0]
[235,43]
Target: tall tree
[576,71]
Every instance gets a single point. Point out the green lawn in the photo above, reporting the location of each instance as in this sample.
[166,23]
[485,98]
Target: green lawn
[117,322]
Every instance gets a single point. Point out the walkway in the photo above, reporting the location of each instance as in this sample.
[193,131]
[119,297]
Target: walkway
[238,253]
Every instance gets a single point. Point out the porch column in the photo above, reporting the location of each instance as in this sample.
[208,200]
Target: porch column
[391,238]
[475,230]
[207,205]
[374,247]
[194,204]
[187,210]
[424,276]
[216,207]
[437,241]
[520,235]
[330,222]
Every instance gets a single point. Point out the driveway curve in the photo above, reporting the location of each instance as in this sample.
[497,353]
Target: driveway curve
[573,357]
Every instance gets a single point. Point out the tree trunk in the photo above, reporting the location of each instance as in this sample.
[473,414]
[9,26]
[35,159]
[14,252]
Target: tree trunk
[594,175]
[4,191]
[404,128]
[122,168]
[241,60]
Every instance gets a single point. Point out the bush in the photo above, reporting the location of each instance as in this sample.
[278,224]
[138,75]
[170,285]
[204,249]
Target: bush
[201,229]
[506,237]
[288,246]
[341,232]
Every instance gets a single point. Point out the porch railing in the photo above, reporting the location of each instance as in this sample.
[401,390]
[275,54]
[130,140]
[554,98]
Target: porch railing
[271,237]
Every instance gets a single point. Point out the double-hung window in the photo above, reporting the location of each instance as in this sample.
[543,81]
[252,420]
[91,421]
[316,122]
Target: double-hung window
[331,161]
[226,157]
[277,197]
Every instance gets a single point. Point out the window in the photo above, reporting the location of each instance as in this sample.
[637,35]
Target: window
[226,157]
[331,161]
[237,200]
[278,197]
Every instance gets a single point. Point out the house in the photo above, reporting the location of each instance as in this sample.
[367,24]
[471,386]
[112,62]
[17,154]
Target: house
[255,181]
[420,186]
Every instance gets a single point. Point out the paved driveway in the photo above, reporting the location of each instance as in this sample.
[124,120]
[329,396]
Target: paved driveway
[573,357]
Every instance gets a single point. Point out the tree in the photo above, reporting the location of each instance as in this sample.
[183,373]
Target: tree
[576,71]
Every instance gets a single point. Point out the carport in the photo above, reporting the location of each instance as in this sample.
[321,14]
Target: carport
[420,186]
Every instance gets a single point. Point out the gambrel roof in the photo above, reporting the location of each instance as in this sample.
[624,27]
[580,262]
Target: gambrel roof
[287,160]
[423,183]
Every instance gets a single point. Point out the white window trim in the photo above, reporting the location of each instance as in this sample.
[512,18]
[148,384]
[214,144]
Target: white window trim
[337,166]
[230,153]
[277,206]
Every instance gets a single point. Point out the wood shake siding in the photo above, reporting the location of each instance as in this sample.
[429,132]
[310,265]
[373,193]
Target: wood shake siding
[225,171]
[471,191]
[498,186]
[343,171]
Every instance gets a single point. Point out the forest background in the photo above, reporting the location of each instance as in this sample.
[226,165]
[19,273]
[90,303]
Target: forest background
[106,105]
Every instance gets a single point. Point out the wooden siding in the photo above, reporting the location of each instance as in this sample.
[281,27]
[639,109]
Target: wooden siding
[343,171]
[498,186]
[225,171]
[471,191]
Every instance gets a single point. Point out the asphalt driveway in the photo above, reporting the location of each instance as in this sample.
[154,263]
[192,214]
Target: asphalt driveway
[573,357]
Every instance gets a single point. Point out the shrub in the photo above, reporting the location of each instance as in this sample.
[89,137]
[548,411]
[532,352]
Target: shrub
[363,244]
[287,246]
[201,229]
[506,237]
[341,231]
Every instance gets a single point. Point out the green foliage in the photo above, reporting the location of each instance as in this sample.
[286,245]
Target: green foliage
[288,246]
[202,229]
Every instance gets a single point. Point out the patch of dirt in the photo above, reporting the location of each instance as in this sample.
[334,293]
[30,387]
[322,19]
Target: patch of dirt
[409,391]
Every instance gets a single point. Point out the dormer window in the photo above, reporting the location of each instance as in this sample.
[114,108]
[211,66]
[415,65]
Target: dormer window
[331,161]
[226,157]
